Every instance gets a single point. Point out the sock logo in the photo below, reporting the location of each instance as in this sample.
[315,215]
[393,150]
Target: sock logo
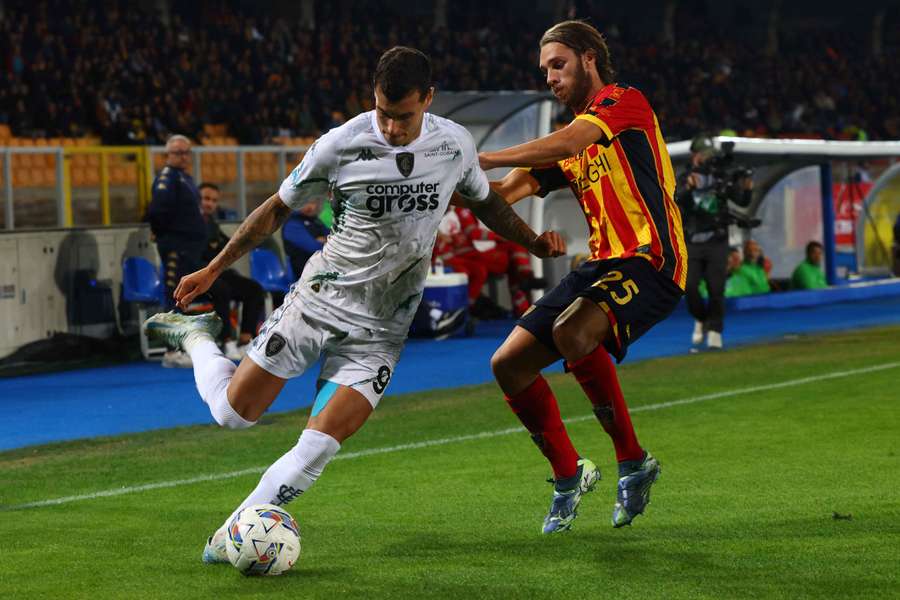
[285,494]
[275,344]
[381,380]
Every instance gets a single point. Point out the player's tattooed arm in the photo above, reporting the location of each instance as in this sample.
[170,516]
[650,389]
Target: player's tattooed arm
[502,219]
[259,225]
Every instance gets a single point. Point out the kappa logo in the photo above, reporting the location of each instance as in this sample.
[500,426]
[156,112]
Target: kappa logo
[405,163]
[382,379]
[365,154]
[275,344]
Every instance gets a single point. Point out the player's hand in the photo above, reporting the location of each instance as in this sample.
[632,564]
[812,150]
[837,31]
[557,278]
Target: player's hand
[547,245]
[192,286]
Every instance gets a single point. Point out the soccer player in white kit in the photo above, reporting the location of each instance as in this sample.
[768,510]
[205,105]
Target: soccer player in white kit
[391,173]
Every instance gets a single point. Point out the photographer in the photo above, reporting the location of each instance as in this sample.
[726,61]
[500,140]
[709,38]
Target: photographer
[704,191]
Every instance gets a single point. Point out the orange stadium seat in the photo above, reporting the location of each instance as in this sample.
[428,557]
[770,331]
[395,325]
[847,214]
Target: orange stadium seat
[117,175]
[21,177]
[78,177]
[48,176]
[5,132]
[215,174]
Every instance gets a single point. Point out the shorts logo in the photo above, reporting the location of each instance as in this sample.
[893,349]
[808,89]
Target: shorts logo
[275,345]
[381,380]
[405,162]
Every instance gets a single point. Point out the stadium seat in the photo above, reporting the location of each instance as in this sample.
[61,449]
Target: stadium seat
[270,272]
[142,285]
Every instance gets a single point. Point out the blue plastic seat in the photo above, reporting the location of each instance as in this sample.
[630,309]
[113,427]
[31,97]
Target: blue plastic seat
[142,285]
[141,281]
[269,271]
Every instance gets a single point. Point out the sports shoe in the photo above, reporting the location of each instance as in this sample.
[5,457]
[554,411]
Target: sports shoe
[633,490]
[177,359]
[699,331]
[564,507]
[214,551]
[172,327]
[713,340]
[233,351]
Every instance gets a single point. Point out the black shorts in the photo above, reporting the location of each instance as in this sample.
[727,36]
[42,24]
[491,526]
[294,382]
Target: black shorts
[631,292]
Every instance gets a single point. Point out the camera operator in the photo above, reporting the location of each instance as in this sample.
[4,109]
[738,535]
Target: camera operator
[704,191]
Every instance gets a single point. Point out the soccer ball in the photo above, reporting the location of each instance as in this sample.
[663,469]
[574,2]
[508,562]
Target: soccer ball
[263,540]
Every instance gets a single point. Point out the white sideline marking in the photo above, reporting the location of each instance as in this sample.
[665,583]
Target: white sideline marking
[449,440]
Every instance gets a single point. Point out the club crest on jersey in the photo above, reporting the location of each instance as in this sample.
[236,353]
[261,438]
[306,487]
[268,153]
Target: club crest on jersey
[405,162]
[275,344]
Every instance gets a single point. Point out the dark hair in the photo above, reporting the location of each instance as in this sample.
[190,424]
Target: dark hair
[813,244]
[402,70]
[582,37]
[204,185]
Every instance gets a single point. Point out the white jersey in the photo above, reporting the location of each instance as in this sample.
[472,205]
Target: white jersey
[388,202]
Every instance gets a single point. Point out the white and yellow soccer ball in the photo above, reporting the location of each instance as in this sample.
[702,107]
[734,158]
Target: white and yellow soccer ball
[263,540]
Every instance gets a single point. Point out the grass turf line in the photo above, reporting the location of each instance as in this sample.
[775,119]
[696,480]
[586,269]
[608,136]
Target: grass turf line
[744,507]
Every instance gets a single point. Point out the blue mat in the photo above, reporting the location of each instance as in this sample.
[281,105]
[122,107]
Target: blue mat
[144,396]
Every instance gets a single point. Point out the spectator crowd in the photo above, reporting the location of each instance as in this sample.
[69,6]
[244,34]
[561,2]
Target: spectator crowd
[135,73]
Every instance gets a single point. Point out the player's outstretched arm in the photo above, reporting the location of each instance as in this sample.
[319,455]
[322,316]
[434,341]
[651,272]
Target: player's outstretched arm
[260,224]
[502,219]
[516,185]
[557,146]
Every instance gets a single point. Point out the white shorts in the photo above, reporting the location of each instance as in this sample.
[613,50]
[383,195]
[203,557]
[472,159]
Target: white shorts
[292,340]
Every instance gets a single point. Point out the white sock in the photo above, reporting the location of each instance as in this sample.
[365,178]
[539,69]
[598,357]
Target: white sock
[212,373]
[293,473]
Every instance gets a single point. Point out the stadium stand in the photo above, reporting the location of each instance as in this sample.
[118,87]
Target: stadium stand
[824,84]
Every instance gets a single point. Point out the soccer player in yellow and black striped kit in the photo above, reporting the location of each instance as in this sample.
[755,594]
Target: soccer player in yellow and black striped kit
[613,158]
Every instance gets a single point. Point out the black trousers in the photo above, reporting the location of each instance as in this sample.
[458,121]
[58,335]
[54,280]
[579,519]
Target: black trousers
[178,260]
[232,286]
[707,261]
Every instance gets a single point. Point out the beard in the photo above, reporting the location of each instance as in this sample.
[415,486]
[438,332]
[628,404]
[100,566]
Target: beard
[578,98]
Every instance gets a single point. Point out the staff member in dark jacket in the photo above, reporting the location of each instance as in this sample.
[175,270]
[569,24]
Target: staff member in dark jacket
[177,226]
[175,218]
[230,285]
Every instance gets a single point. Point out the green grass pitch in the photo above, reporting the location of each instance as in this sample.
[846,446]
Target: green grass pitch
[788,491]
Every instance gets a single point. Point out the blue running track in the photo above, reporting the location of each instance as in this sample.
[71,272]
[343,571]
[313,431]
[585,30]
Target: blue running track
[143,396]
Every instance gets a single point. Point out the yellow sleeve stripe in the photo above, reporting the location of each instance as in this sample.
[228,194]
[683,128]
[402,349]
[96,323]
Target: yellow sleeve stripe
[598,122]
